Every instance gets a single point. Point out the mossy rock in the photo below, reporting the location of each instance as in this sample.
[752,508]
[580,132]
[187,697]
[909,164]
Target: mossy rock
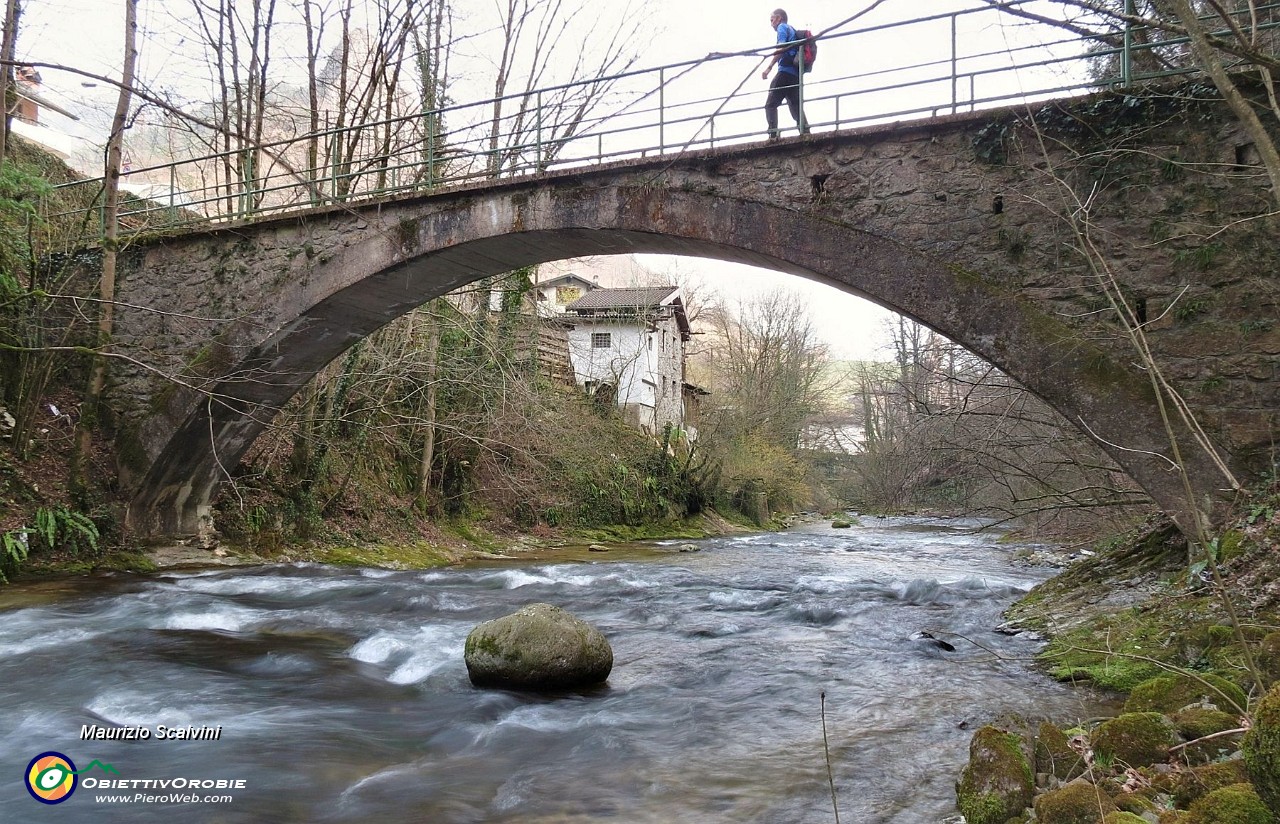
[840,523]
[540,647]
[1123,817]
[1054,754]
[1237,804]
[1231,545]
[997,783]
[1197,722]
[1170,693]
[1267,657]
[1137,739]
[1262,749]
[1200,781]
[1139,802]
[1077,803]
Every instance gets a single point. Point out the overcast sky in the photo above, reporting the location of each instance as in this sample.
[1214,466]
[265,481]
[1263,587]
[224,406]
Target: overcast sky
[88,34]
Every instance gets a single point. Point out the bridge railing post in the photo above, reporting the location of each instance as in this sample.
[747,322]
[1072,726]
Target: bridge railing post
[662,110]
[431,150]
[537,159]
[955,68]
[804,122]
[1126,56]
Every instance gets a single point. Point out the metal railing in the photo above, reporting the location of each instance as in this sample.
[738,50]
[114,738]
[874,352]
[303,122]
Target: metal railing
[645,113]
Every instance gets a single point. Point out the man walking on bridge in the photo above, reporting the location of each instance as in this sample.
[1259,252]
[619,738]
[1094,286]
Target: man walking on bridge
[786,83]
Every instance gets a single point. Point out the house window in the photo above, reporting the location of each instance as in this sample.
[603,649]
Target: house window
[651,343]
[601,340]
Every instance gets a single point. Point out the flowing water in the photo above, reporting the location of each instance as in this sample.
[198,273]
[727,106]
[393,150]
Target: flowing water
[343,697]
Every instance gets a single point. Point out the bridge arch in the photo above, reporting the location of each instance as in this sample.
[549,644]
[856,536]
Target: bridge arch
[390,261]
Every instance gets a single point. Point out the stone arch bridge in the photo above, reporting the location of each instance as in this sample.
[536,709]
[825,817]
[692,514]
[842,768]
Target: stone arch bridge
[963,223]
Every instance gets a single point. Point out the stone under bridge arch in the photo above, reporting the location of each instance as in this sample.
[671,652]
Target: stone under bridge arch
[303,289]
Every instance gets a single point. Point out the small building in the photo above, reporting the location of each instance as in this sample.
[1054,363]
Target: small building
[627,346]
[552,297]
[27,108]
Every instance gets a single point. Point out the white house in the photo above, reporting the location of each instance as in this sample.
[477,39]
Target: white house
[628,345]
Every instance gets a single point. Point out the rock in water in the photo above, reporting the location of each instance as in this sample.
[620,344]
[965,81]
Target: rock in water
[937,642]
[538,647]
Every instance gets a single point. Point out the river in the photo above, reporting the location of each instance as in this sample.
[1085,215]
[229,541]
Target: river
[342,695]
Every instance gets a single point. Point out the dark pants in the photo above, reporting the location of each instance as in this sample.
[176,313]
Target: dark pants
[785,86]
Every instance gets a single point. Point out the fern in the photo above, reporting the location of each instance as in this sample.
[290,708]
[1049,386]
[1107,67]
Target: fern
[16,551]
[62,526]
[47,526]
[78,527]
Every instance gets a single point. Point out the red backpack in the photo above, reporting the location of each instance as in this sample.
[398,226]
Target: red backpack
[808,49]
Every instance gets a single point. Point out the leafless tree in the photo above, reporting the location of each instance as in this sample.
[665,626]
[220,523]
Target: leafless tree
[528,128]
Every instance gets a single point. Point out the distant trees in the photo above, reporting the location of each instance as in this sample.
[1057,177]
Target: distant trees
[944,429]
[768,373]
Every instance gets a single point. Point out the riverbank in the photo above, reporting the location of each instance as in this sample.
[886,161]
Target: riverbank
[1192,654]
[451,544]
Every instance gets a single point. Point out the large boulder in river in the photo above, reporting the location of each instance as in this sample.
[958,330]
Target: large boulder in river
[538,647]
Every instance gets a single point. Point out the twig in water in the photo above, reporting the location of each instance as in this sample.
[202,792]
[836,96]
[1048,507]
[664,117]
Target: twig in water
[826,748]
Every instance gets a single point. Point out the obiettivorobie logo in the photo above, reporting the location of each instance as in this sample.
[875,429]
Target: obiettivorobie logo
[52,777]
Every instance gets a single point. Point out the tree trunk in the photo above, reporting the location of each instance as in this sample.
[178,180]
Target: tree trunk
[429,414]
[8,86]
[110,247]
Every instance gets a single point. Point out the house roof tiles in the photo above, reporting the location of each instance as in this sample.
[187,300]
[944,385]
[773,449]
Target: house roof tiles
[615,299]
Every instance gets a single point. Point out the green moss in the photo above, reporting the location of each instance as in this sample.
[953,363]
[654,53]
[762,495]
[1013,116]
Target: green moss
[411,556]
[1120,651]
[1123,817]
[116,561]
[1139,802]
[1136,739]
[479,641]
[997,783]
[1170,693]
[1077,803]
[1054,754]
[692,528]
[1231,545]
[1267,656]
[1200,781]
[1262,749]
[1197,722]
[1237,804]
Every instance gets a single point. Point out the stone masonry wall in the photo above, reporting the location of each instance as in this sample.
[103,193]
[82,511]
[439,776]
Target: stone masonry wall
[1166,189]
